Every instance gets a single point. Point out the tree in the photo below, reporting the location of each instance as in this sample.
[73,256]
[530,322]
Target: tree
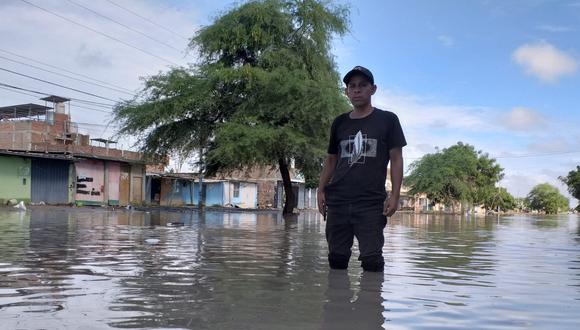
[264,92]
[547,198]
[456,174]
[572,180]
[499,199]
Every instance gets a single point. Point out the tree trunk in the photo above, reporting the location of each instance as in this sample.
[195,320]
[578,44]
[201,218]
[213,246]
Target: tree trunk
[289,201]
[200,201]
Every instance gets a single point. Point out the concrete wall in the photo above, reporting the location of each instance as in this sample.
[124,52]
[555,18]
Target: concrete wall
[14,179]
[247,197]
[175,192]
[214,193]
[310,201]
[90,182]
[49,136]
[266,194]
[171,192]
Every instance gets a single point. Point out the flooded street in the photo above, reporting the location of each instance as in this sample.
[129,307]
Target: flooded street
[68,268]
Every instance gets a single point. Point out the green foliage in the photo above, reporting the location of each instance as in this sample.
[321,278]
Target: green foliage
[572,180]
[499,197]
[545,197]
[457,173]
[265,89]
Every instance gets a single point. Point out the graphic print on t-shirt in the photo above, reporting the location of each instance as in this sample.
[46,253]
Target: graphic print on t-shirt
[357,148]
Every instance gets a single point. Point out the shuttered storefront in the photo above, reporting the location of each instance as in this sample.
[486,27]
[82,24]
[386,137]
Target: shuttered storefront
[49,181]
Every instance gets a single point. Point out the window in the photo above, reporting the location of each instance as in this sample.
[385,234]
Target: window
[236,189]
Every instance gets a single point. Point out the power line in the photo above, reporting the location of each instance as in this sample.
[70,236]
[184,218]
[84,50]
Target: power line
[66,76]
[88,108]
[92,109]
[72,105]
[124,25]
[65,70]
[541,154]
[20,91]
[99,32]
[17,91]
[55,84]
[520,156]
[148,20]
[48,94]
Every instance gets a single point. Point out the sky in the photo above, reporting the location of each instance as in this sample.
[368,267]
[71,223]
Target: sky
[502,76]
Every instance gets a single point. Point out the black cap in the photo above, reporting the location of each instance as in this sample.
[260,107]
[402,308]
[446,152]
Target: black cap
[359,70]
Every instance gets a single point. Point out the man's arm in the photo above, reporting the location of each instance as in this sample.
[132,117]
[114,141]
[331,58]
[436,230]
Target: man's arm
[392,202]
[327,171]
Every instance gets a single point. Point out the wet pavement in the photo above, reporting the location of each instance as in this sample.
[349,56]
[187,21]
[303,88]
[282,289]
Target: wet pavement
[73,268]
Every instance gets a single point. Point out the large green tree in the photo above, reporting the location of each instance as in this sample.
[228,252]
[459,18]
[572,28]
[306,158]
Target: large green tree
[456,174]
[572,180]
[547,198]
[264,91]
[499,199]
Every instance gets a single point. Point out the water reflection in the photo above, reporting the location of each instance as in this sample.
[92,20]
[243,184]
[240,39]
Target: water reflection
[353,307]
[65,267]
[450,250]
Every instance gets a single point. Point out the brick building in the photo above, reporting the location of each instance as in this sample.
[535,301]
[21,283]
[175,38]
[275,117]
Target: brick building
[47,160]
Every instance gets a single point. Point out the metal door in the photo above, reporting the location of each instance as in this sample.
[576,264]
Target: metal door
[49,181]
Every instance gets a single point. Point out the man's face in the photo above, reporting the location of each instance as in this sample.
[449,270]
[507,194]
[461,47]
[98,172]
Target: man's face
[359,91]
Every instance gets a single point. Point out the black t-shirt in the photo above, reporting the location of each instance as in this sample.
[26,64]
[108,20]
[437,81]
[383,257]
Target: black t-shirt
[362,146]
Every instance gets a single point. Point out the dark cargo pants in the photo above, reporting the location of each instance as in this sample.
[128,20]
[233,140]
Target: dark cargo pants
[366,222]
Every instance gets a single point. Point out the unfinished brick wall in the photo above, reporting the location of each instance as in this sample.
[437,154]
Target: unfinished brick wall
[266,194]
[42,136]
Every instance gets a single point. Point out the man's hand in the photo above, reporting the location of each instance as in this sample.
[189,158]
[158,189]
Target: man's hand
[391,205]
[321,201]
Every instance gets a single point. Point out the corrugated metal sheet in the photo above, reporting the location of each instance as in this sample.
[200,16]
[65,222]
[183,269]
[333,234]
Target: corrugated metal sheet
[49,181]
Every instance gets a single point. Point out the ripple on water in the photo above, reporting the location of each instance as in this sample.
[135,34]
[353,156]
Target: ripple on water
[63,267]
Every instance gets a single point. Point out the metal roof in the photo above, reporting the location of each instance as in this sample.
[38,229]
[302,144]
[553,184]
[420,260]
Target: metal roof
[55,99]
[23,111]
[103,140]
[37,155]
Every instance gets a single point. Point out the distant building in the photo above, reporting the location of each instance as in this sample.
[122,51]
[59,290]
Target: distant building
[271,189]
[43,158]
[180,189]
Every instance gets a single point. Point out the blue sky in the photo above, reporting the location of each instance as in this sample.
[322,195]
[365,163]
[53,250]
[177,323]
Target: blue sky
[501,75]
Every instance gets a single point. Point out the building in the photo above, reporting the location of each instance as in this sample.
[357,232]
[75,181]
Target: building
[43,158]
[270,187]
[180,189]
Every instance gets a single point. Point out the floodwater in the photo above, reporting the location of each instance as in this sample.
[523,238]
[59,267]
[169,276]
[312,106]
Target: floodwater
[66,268]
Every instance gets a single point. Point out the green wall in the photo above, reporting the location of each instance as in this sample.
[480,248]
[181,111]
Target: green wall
[14,179]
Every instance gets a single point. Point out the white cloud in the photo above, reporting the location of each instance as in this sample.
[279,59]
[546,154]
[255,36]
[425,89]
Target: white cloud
[421,112]
[522,119]
[429,125]
[553,145]
[555,28]
[544,61]
[520,184]
[446,40]
[36,34]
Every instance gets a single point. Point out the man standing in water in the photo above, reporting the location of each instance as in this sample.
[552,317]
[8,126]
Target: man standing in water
[351,192]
